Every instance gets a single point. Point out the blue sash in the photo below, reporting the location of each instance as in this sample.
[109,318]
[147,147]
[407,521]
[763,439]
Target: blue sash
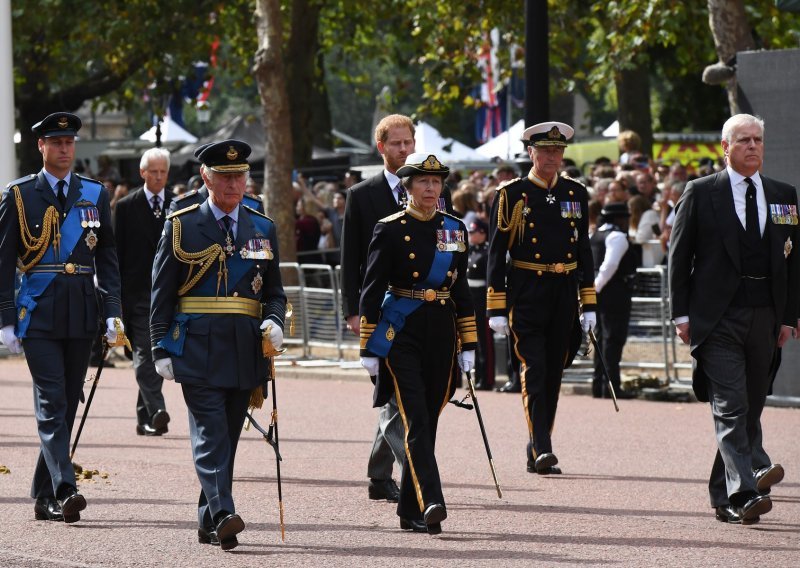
[394,310]
[34,285]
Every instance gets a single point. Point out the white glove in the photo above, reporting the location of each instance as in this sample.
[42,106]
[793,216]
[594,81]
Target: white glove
[466,360]
[588,321]
[275,334]
[164,368]
[371,364]
[499,324]
[111,329]
[10,340]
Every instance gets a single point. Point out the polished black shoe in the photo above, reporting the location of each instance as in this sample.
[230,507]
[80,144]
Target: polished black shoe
[227,528]
[768,476]
[728,514]
[206,535]
[754,508]
[160,420]
[383,489]
[434,513]
[552,470]
[545,461]
[413,525]
[72,503]
[47,509]
[510,386]
[147,430]
[435,528]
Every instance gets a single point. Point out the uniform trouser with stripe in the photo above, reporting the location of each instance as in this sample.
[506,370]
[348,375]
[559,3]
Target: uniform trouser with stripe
[541,319]
[421,363]
[216,417]
[58,368]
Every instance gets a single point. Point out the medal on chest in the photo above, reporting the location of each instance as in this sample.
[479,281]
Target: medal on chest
[571,210]
[90,217]
[450,240]
[91,239]
[257,248]
[257,283]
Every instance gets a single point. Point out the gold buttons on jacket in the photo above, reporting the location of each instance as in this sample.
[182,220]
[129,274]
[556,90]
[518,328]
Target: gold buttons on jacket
[406,238]
[530,225]
[402,221]
[537,255]
[569,255]
[538,273]
[415,274]
[571,192]
[412,256]
[449,273]
[534,240]
[572,223]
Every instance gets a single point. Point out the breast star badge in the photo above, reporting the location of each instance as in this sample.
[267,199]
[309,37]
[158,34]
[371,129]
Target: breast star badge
[91,240]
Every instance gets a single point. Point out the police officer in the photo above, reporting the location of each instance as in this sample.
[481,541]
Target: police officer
[476,278]
[216,287]
[616,260]
[410,336]
[201,194]
[541,221]
[56,226]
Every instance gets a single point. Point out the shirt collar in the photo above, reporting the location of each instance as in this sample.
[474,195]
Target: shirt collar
[391,178]
[738,179]
[149,194]
[219,213]
[53,180]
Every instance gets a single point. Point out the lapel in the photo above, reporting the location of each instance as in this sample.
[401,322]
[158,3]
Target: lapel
[246,228]
[726,218]
[382,197]
[74,191]
[208,225]
[46,191]
[144,211]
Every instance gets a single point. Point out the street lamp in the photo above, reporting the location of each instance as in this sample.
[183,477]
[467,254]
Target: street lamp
[203,115]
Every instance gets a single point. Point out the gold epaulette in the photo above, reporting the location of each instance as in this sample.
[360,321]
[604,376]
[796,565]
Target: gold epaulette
[451,216]
[392,217]
[507,183]
[514,224]
[257,212]
[583,185]
[182,211]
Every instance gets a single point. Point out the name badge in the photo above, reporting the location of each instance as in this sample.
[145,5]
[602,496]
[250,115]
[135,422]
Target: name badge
[783,214]
[571,210]
[450,241]
[257,249]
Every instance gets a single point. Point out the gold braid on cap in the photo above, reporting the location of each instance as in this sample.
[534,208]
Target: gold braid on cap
[516,223]
[203,258]
[38,245]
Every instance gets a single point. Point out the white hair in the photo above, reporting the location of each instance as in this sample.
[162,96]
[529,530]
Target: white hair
[153,154]
[739,120]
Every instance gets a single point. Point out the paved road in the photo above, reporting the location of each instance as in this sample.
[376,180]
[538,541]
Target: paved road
[633,492]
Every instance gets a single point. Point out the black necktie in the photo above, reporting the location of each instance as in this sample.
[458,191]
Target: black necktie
[62,196]
[156,206]
[751,211]
[227,222]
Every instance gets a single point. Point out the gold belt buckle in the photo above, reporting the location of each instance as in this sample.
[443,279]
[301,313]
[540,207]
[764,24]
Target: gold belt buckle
[429,295]
[69,268]
[558,267]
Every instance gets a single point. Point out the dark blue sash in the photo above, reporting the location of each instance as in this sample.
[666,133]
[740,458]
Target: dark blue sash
[394,310]
[34,285]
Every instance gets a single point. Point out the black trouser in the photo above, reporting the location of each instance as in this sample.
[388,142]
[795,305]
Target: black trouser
[484,354]
[541,320]
[422,364]
[613,318]
[58,368]
[150,397]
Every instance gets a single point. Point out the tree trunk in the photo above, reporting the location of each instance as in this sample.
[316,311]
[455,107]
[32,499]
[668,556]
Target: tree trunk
[728,22]
[271,79]
[633,103]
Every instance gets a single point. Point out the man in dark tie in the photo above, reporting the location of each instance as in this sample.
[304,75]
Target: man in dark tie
[138,222]
[734,278]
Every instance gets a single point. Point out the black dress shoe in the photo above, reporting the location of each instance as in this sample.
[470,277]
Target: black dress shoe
[160,420]
[147,430]
[434,514]
[545,461]
[768,476]
[754,508]
[72,503]
[47,509]
[227,528]
[510,386]
[206,535]
[413,525]
[728,514]
[383,489]
[552,470]
[435,528]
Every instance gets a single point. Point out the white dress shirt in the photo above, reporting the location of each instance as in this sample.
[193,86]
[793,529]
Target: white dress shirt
[616,247]
[739,188]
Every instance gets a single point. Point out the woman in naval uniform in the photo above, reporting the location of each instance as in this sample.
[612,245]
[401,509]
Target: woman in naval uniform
[413,337]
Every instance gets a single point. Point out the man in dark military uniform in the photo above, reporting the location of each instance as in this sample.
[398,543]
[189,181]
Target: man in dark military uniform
[201,194]
[616,260]
[56,227]
[476,278]
[216,287]
[541,221]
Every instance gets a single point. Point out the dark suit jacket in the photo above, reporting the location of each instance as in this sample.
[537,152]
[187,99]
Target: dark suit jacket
[704,261]
[367,203]
[137,232]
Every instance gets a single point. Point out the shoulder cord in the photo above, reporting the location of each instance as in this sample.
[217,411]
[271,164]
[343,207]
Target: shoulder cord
[516,223]
[50,225]
[203,258]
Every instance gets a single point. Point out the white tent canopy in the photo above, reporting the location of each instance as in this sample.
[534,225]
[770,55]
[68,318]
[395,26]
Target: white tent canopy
[506,145]
[612,131]
[170,132]
[430,140]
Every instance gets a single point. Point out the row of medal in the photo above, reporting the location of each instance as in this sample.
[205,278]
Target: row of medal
[257,249]
[450,240]
[90,217]
[783,214]
[571,210]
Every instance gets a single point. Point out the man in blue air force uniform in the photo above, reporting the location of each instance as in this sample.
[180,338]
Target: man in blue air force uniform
[216,287]
[56,228]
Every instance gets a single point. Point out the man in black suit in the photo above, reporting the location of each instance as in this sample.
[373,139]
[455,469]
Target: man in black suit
[55,226]
[734,280]
[138,222]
